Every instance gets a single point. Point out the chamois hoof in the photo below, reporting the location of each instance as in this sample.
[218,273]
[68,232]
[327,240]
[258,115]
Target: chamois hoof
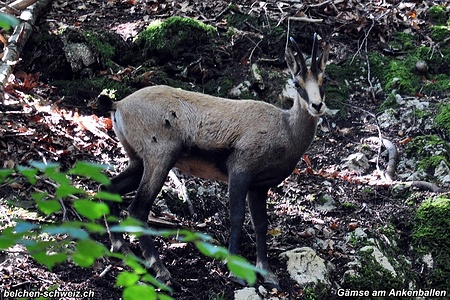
[164,276]
[271,281]
[235,279]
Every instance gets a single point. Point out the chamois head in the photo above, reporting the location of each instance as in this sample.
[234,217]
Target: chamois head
[309,81]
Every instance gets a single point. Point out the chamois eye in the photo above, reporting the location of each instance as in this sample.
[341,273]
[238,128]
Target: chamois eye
[296,83]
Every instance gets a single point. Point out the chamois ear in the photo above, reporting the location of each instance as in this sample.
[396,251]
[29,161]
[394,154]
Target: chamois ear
[323,58]
[296,62]
[291,62]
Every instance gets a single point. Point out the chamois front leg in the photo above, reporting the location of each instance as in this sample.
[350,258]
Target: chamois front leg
[257,198]
[237,189]
[155,174]
[127,181]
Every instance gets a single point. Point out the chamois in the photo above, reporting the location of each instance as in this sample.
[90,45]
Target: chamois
[250,144]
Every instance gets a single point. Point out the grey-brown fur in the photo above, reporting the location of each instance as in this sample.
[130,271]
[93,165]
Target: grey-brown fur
[250,144]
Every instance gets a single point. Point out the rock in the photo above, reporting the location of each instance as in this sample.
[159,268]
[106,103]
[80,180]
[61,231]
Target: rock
[306,267]
[79,55]
[427,259]
[358,234]
[421,66]
[327,205]
[442,172]
[380,258]
[356,162]
[239,89]
[248,293]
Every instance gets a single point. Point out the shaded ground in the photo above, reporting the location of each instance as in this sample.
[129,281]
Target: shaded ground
[54,132]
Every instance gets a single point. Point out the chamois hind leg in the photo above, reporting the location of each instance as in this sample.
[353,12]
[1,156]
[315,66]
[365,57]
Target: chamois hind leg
[155,174]
[257,198]
[127,181]
[237,188]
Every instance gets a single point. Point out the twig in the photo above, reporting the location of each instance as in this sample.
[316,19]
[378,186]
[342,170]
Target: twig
[105,271]
[305,19]
[319,4]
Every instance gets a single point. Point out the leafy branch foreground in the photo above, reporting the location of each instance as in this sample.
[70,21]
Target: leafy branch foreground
[51,243]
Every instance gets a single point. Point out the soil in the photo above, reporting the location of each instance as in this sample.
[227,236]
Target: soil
[292,205]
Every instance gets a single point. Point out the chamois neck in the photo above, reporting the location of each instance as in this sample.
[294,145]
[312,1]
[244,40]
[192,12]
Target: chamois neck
[303,124]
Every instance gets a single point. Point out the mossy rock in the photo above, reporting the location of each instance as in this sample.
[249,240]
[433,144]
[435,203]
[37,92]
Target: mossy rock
[440,33]
[371,276]
[402,41]
[90,87]
[104,49]
[175,36]
[431,235]
[442,120]
[438,14]
[431,150]
[400,74]
[389,103]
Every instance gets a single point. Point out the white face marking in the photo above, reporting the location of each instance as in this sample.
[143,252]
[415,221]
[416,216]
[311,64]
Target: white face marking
[316,106]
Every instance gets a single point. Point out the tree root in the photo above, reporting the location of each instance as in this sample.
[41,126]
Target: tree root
[391,169]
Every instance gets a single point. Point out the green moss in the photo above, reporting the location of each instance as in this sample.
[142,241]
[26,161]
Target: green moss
[442,120]
[175,35]
[371,277]
[440,33]
[400,74]
[402,41]
[431,235]
[98,84]
[337,90]
[349,206]
[437,14]
[430,149]
[389,103]
[395,74]
[317,292]
[103,48]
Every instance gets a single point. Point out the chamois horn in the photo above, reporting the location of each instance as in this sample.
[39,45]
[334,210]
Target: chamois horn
[314,61]
[299,56]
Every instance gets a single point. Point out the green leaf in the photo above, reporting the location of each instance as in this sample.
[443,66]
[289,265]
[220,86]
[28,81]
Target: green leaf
[94,227]
[66,190]
[29,173]
[90,209]
[4,174]
[69,229]
[108,196]
[134,263]
[43,167]
[87,252]
[164,297]
[39,196]
[139,292]
[8,21]
[90,170]
[210,250]
[23,227]
[58,177]
[6,242]
[127,279]
[49,260]
[91,247]
[156,283]
[48,206]
[84,261]
[241,268]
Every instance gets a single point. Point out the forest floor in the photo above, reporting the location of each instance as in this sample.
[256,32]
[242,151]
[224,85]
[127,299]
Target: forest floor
[43,121]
